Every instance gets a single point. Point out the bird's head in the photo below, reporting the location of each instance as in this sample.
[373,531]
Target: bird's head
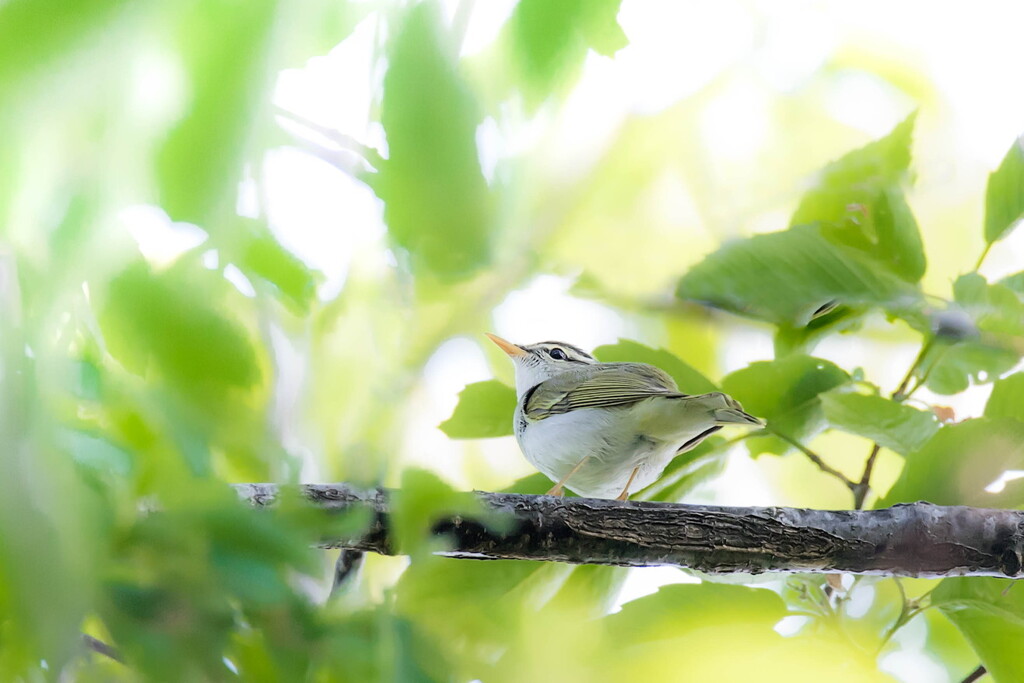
[535,363]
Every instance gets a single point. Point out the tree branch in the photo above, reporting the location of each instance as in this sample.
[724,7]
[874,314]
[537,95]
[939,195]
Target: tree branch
[918,539]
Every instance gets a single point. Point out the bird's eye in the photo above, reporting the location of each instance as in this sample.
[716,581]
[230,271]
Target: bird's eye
[557,354]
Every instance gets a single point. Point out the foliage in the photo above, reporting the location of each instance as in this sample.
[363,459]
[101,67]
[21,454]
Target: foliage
[138,381]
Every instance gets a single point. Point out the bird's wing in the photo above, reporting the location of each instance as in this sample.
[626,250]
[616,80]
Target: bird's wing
[599,386]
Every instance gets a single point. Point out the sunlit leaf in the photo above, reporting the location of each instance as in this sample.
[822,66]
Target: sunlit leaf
[261,255]
[1007,398]
[784,277]
[226,49]
[990,614]
[786,393]
[152,321]
[959,462]
[1004,195]
[689,380]
[484,410]
[859,201]
[551,39]
[436,202]
[893,425]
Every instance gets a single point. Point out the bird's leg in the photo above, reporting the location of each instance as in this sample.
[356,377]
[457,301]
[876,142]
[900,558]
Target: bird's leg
[556,490]
[625,491]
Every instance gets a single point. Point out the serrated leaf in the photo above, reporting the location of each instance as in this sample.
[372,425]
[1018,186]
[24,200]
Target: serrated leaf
[485,410]
[990,614]
[1004,195]
[436,203]
[786,393]
[956,465]
[687,378]
[549,40]
[784,277]
[860,204]
[893,425]
[1007,398]
[226,47]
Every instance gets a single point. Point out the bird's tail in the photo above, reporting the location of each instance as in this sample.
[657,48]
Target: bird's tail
[727,410]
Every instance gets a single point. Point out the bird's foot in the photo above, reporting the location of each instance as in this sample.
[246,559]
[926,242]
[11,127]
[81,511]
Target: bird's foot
[556,490]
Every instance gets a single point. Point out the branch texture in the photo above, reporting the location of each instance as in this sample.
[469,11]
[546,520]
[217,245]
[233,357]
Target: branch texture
[918,539]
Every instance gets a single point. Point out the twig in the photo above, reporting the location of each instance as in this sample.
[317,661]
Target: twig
[816,459]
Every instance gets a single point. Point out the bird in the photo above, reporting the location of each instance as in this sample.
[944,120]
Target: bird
[604,429]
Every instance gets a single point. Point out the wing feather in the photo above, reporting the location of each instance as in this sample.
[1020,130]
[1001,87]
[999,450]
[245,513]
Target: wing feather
[599,386]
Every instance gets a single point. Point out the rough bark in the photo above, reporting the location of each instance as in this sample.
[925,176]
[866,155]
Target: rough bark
[918,539]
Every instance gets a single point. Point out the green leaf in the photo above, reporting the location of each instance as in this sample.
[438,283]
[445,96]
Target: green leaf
[859,202]
[680,609]
[436,202]
[550,40]
[1007,398]
[156,321]
[484,410]
[688,471]
[987,351]
[226,47]
[689,380]
[890,424]
[784,277]
[260,254]
[786,393]
[875,166]
[1015,282]
[956,465]
[990,614]
[1004,195]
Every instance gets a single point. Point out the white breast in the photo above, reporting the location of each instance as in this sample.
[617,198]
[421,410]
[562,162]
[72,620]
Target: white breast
[556,444]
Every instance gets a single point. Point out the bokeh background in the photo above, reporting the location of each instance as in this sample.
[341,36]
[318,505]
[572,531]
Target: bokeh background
[261,241]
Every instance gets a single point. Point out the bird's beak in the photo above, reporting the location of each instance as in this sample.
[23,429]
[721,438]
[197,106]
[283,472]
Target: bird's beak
[508,347]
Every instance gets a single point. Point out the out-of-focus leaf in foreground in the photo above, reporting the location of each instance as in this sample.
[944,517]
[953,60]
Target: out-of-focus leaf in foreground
[1004,195]
[990,614]
[551,39]
[226,47]
[436,202]
[899,427]
[688,379]
[786,393]
[484,410]
[959,462]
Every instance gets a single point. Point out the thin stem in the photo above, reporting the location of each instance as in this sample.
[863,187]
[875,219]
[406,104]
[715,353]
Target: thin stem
[816,459]
[861,488]
[99,647]
[905,615]
[981,259]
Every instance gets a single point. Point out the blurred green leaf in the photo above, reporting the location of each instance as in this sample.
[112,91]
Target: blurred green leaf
[436,202]
[893,425]
[1015,282]
[485,410]
[687,471]
[956,465]
[550,39]
[226,49]
[56,27]
[1007,398]
[989,349]
[689,380]
[784,277]
[260,254]
[1004,195]
[991,617]
[786,393]
[153,321]
[676,610]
